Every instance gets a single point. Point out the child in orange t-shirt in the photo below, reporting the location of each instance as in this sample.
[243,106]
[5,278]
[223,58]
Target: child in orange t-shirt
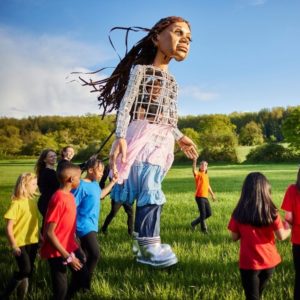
[254,221]
[60,247]
[291,204]
[201,195]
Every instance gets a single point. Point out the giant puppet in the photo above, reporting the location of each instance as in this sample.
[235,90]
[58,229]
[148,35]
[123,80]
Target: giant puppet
[144,94]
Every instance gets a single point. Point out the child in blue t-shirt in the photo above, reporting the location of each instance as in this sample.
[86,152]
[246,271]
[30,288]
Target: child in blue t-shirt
[88,195]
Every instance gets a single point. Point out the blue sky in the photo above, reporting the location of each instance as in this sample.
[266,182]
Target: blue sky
[244,55]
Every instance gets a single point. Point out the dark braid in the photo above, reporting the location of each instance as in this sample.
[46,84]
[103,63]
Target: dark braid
[112,89]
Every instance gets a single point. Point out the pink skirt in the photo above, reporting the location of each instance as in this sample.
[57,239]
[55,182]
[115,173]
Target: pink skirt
[146,142]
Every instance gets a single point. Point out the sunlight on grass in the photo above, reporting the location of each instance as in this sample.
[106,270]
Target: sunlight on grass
[207,267]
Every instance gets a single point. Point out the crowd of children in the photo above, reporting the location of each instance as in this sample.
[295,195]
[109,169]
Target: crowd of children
[73,210]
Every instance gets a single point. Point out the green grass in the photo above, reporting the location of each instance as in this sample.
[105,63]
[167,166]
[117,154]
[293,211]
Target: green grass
[207,267]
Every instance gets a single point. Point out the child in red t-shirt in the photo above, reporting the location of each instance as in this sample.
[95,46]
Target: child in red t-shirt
[291,204]
[254,221]
[60,247]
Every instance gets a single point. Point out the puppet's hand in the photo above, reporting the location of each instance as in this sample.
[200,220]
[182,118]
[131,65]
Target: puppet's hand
[119,147]
[188,147]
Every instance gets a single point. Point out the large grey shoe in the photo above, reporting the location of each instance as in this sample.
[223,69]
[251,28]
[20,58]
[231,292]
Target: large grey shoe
[157,255]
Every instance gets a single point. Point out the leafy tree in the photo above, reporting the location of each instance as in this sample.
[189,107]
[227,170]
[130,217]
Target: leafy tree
[271,152]
[218,139]
[291,129]
[10,141]
[38,143]
[251,135]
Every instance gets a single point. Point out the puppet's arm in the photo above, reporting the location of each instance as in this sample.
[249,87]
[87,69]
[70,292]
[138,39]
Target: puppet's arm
[128,100]
[120,145]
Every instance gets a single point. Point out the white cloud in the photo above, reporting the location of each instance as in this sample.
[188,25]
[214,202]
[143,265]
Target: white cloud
[33,75]
[197,93]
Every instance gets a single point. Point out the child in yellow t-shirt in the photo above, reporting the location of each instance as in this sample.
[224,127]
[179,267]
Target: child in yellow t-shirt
[22,232]
[201,195]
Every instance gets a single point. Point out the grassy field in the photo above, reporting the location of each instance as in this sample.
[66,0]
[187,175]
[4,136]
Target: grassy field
[207,267]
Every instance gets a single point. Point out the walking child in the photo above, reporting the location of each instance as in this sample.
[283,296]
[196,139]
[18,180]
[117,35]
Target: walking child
[201,196]
[115,207]
[22,232]
[88,195]
[144,93]
[291,204]
[60,247]
[47,179]
[66,155]
[254,221]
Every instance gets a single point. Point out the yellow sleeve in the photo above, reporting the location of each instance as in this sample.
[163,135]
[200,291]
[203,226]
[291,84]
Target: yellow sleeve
[12,212]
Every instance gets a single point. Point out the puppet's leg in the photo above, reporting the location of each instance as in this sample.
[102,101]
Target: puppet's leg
[151,251]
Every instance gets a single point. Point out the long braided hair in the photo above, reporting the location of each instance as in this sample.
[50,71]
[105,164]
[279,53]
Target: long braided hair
[112,89]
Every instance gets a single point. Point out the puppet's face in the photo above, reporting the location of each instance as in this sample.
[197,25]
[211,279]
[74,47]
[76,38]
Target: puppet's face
[174,41]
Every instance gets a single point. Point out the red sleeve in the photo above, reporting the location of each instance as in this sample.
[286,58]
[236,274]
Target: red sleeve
[54,210]
[233,225]
[287,204]
[277,224]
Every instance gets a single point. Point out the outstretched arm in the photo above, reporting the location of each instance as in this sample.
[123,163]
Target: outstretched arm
[108,188]
[194,167]
[119,146]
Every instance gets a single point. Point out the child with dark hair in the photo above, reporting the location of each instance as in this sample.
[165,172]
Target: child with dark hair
[254,221]
[22,233]
[203,188]
[60,247]
[115,207]
[66,155]
[291,204]
[46,179]
[88,195]
[144,93]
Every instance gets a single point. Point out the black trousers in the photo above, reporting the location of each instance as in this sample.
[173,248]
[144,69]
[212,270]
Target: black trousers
[25,261]
[254,281]
[115,206]
[204,211]
[90,247]
[296,259]
[60,279]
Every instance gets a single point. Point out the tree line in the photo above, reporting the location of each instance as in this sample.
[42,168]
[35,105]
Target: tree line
[217,135]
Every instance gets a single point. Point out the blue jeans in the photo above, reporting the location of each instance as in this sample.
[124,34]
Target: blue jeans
[147,220]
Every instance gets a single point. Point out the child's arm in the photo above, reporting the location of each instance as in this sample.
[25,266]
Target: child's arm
[282,233]
[235,236]
[194,167]
[75,262]
[11,237]
[108,188]
[211,193]
[288,217]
